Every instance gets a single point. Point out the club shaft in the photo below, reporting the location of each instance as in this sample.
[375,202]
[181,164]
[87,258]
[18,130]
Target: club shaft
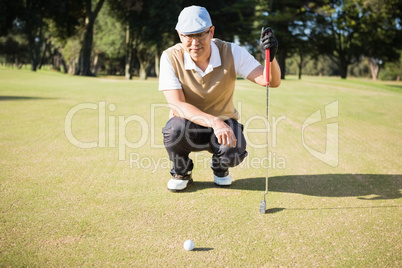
[267,141]
[267,65]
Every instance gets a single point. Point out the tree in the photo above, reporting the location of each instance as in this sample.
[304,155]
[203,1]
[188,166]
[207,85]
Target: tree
[13,49]
[30,18]
[232,19]
[346,30]
[123,10]
[109,47]
[153,31]
[70,50]
[288,19]
[393,70]
[84,61]
[303,50]
[9,11]
[335,31]
[380,32]
[149,30]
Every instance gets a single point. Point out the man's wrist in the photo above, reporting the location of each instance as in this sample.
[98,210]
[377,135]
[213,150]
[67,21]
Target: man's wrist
[214,121]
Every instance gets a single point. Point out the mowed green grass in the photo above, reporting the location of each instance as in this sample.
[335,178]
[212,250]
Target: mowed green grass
[62,205]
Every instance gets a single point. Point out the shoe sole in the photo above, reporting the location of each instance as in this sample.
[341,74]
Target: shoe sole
[222,185]
[176,191]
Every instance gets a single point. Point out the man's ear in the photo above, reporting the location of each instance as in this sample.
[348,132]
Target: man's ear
[213,31]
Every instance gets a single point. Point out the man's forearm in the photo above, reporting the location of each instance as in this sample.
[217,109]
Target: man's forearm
[274,74]
[192,113]
[258,75]
[222,131]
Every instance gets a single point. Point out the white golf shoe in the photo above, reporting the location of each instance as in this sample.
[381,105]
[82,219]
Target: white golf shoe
[179,182]
[223,181]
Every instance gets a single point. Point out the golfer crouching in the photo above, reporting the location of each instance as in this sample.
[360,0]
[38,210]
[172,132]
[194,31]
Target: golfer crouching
[197,77]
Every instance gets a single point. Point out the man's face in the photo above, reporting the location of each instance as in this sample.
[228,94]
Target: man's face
[198,45]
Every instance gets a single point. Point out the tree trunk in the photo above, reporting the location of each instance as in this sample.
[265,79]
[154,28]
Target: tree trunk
[300,65]
[73,66]
[129,54]
[145,58]
[84,61]
[56,62]
[343,69]
[375,68]
[157,63]
[57,58]
[34,51]
[63,63]
[343,72]
[35,40]
[282,61]
[97,63]
[46,47]
[144,67]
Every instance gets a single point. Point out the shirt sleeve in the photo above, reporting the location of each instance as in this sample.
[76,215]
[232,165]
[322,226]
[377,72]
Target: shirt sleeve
[244,62]
[167,76]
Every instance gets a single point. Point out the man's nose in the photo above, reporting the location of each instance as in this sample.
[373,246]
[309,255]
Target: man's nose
[195,41]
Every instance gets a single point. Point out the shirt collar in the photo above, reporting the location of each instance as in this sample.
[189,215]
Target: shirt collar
[214,61]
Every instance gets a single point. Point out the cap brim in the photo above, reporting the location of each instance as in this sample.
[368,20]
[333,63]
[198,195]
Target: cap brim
[194,32]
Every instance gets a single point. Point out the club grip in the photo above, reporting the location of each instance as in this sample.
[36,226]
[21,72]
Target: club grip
[267,58]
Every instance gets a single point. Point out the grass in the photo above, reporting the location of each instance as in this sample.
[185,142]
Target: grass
[62,205]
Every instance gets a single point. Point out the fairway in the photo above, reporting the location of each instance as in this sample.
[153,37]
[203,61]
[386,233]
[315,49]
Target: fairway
[83,177]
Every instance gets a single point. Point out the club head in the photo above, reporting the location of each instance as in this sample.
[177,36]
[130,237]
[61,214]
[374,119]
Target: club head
[263,207]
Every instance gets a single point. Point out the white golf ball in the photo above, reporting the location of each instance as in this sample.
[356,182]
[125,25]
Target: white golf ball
[188,245]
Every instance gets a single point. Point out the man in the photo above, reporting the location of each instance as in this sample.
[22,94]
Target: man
[197,77]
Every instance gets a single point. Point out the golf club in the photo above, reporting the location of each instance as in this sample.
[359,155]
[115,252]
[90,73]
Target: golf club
[263,205]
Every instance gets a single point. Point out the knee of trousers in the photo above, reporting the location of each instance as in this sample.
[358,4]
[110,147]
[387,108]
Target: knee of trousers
[174,131]
[232,157]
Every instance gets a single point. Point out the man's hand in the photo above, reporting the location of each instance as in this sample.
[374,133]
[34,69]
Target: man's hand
[268,41]
[224,133]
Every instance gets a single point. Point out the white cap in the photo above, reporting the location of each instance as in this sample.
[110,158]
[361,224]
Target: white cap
[193,19]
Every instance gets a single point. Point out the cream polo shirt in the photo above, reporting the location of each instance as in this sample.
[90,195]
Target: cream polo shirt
[244,64]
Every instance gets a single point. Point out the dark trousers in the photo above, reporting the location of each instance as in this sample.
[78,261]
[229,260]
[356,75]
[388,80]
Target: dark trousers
[181,137]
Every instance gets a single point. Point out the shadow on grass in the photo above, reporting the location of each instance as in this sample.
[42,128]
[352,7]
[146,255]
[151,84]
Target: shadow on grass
[361,186]
[12,98]
[275,210]
[203,249]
